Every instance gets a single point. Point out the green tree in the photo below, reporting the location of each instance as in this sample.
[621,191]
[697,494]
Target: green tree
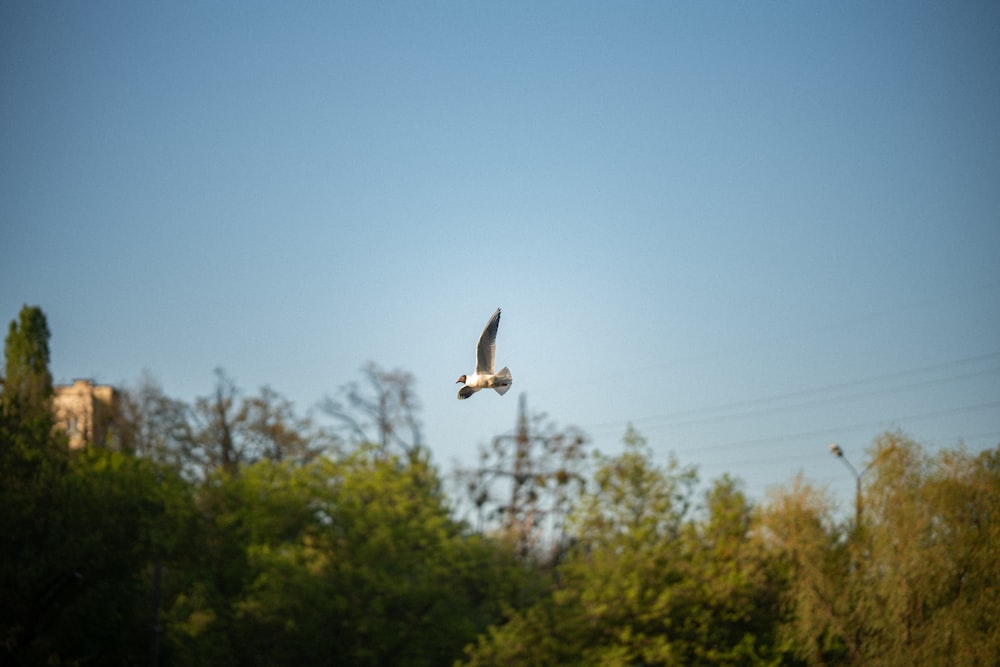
[27,385]
[76,543]
[350,561]
[78,531]
[741,586]
[649,581]
[916,582]
[810,547]
[932,572]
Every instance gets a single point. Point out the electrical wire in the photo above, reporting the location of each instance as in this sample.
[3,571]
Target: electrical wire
[739,409]
[880,423]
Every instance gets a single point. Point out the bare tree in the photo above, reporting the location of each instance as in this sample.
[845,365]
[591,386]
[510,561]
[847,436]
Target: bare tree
[151,423]
[209,437]
[269,429]
[225,430]
[382,412]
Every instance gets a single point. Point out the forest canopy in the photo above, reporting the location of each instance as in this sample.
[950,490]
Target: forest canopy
[234,531]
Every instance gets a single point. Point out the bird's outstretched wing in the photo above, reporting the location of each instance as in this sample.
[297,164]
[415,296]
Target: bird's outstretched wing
[486,350]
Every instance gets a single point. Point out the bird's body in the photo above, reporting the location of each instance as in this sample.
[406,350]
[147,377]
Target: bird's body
[484,377]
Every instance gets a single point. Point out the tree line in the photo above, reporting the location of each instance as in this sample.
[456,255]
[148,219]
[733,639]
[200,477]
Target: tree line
[234,531]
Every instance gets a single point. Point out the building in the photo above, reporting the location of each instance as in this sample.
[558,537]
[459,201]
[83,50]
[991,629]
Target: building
[85,411]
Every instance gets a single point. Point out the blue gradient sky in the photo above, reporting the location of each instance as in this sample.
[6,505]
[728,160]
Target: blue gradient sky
[748,228]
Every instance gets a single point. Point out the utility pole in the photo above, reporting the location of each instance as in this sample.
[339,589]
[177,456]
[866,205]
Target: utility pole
[521,510]
[540,467]
[839,453]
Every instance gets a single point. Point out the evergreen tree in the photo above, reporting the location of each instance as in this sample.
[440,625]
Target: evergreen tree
[27,385]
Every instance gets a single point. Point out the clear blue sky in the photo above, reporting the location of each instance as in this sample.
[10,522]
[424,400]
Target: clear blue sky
[750,229]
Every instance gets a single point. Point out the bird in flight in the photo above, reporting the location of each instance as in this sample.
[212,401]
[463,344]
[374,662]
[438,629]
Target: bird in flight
[484,377]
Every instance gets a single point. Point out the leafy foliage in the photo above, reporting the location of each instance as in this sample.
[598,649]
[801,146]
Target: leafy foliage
[78,535]
[235,532]
[27,383]
[910,584]
[647,582]
[351,562]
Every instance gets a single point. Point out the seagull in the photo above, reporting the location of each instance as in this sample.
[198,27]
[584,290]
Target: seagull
[484,377]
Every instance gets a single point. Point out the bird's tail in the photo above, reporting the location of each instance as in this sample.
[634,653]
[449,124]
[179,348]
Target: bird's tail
[504,380]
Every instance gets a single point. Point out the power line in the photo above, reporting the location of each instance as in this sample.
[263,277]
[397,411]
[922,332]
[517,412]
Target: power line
[839,324]
[988,436]
[835,399]
[738,409]
[848,427]
[728,464]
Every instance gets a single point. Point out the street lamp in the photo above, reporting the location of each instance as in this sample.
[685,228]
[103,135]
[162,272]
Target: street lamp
[839,453]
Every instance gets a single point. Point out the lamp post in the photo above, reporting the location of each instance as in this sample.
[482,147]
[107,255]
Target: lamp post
[839,453]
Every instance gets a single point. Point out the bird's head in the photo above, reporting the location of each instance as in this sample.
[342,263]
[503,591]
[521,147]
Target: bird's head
[460,380]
